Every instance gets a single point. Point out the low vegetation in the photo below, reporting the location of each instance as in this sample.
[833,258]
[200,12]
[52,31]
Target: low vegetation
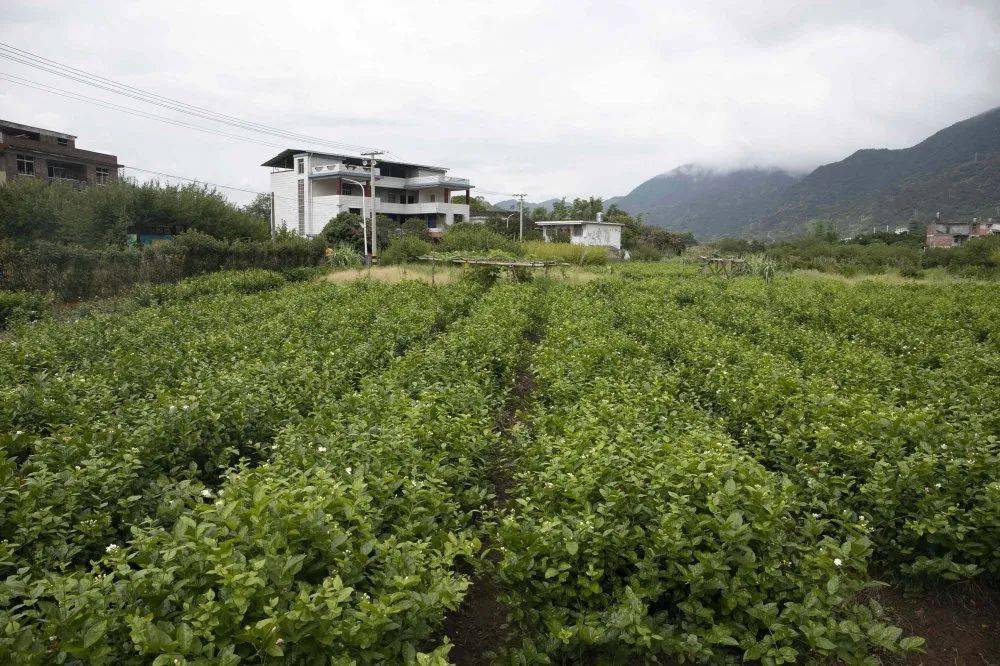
[241,468]
[867,254]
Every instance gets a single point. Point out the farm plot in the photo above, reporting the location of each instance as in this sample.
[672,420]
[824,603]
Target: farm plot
[704,470]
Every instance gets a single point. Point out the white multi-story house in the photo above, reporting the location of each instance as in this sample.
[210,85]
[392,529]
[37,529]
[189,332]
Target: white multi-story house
[312,188]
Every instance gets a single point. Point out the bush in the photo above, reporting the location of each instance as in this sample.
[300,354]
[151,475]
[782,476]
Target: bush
[405,248]
[75,272]
[475,238]
[845,258]
[226,282]
[31,209]
[415,226]
[759,265]
[303,273]
[642,251]
[580,255]
[343,256]
[18,306]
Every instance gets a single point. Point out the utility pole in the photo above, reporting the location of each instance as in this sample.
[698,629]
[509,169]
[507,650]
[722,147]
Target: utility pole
[520,214]
[274,230]
[364,224]
[371,155]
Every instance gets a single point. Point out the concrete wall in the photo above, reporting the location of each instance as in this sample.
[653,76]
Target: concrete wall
[283,185]
[600,234]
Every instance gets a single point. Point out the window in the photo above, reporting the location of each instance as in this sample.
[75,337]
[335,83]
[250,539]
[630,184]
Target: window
[103,174]
[302,206]
[62,141]
[411,198]
[433,197]
[26,165]
[57,171]
[301,165]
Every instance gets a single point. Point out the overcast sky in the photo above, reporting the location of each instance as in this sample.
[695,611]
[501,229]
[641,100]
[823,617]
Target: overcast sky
[548,98]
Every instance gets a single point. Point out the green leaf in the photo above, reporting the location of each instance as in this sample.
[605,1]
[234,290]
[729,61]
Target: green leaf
[833,584]
[825,644]
[572,547]
[94,633]
[911,643]
[184,636]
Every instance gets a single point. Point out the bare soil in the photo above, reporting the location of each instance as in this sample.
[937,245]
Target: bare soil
[478,628]
[960,622]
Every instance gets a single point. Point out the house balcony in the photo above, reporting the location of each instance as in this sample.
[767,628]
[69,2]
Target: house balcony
[342,171]
[328,206]
[72,182]
[437,180]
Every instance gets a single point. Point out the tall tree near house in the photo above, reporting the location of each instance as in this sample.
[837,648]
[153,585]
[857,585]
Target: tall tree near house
[586,209]
[476,204]
[259,206]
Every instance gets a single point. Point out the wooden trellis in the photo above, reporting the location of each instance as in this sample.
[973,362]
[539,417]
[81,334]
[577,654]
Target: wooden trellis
[724,266]
[511,265]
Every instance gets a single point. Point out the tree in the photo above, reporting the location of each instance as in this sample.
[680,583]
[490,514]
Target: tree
[260,206]
[344,229]
[476,204]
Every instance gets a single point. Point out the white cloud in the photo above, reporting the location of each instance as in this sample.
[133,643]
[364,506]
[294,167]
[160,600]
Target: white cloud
[542,97]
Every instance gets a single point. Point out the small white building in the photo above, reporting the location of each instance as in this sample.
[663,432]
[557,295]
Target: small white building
[311,188]
[585,232]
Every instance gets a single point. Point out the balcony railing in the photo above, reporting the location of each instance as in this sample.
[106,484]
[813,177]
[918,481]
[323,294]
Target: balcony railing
[431,181]
[343,170]
[73,182]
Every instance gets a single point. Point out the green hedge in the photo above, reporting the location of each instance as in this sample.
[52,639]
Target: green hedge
[75,272]
[18,306]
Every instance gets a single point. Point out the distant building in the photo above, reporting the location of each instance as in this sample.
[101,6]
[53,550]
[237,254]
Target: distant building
[33,152]
[585,232]
[312,188]
[951,234]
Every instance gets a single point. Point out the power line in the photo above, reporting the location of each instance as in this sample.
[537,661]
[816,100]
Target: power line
[499,194]
[59,69]
[192,180]
[125,109]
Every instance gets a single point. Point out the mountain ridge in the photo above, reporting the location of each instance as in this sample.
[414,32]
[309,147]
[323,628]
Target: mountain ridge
[955,171]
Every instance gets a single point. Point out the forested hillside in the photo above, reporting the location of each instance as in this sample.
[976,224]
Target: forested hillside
[706,202]
[954,172]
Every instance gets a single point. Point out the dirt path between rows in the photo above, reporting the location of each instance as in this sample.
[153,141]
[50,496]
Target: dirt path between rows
[478,628]
[960,622]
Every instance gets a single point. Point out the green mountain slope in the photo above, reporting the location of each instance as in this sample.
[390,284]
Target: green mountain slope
[705,202]
[955,172]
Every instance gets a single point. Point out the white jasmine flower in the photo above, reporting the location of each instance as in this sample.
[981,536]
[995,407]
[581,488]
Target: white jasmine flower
[348,470]
[206,492]
[837,561]
[321,449]
[111,548]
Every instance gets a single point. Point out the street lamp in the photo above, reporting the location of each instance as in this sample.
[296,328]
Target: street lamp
[364,224]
